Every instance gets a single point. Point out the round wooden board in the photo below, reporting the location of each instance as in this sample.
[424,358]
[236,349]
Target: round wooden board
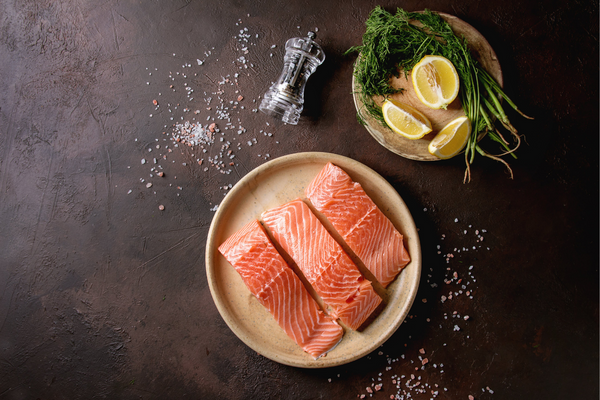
[417,149]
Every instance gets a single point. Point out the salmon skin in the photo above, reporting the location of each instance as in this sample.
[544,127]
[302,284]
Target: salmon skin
[279,289]
[330,271]
[362,225]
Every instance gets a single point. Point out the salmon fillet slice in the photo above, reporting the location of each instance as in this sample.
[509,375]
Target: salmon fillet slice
[330,271]
[279,289]
[362,225]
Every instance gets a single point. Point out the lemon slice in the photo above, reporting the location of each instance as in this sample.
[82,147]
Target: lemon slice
[405,120]
[435,81]
[451,139]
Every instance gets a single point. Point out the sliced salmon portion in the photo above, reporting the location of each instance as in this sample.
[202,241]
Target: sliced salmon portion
[362,225]
[332,274]
[280,290]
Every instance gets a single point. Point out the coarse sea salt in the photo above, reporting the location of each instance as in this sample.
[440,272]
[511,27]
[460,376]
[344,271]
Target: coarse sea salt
[459,276]
[229,98]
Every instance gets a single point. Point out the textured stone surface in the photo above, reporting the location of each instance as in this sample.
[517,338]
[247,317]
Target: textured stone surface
[103,295]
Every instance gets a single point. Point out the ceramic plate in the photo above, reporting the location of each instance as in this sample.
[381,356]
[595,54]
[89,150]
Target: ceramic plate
[417,149]
[275,183]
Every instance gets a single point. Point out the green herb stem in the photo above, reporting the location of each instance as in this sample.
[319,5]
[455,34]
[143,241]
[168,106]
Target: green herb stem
[393,44]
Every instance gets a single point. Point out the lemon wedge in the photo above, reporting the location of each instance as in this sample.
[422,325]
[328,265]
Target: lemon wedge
[435,81]
[451,139]
[405,120]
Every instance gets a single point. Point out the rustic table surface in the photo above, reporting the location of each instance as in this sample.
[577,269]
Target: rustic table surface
[103,285]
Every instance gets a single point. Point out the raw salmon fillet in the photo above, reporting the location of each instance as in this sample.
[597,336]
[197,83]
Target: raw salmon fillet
[332,274]
[366,230]
[278,288]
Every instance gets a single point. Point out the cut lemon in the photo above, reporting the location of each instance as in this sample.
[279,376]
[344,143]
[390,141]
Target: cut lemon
[405,120]
[435,81]
[451,139]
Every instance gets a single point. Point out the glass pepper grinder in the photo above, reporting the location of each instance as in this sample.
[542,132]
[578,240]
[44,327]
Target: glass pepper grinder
[285,98]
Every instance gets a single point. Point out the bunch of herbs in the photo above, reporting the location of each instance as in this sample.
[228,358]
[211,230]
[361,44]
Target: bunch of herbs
[393,44]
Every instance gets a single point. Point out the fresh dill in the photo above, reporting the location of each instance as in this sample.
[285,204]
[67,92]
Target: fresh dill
[393,44]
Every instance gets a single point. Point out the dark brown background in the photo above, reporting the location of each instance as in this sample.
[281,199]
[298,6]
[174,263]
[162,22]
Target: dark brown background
[104,296]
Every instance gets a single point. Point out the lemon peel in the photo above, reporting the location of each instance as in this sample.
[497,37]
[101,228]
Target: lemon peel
[435,81]
[405,120]
[452,139]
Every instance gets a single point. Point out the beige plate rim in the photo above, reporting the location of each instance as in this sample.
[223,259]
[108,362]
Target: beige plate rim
[276,182]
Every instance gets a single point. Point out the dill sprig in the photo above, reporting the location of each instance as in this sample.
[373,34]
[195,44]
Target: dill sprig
[393,44]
